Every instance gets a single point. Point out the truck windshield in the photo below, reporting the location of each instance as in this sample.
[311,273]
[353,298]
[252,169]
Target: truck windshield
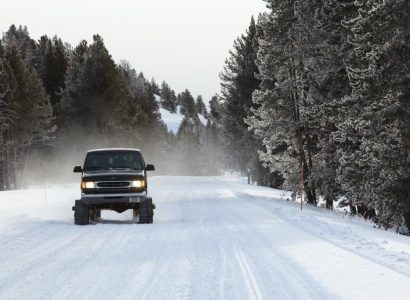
[113,160]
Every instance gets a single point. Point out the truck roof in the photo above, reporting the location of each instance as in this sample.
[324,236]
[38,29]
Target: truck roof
[114,149]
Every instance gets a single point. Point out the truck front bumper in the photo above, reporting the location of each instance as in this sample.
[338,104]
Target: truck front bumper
[127,198]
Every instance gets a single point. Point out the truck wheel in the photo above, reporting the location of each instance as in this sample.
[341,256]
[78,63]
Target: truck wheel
[81,213]
[146,211]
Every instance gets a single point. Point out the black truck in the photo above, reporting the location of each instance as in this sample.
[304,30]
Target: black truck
[114,179]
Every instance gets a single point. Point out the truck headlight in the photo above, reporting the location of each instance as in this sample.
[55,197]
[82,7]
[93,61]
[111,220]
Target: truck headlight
[88,185]
[138,184]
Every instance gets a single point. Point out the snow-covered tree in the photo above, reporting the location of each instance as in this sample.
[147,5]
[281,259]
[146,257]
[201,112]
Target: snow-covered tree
[187,104]
[277,118]
[374,137]
[155,87]
[238,82]
[31,124]
[52,66]
[201,107]
[168,98]
[322,53]
[95,96]
[20,37]
[6,119]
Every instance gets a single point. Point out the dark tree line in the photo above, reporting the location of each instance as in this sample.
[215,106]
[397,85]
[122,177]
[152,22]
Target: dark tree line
[58,101]
[325,84]
[26,114]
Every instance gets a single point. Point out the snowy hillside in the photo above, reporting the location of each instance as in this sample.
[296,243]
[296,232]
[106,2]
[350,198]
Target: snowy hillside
[212,238]
[173,120]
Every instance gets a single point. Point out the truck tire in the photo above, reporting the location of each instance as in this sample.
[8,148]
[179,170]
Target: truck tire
[81,213]
[146,211]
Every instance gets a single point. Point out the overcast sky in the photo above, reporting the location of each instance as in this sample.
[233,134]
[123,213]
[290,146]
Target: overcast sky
[184,42]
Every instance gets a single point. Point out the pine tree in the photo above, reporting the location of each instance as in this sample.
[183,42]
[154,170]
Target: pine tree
[200,106]
[96,96]
[329,70]
[146,101]
[53,64]
[238,84]
[187,103]
[174,101]
[26,45]
[321,52]
[168,98]
[155,87]
[6,119]
[277,119]
[375,136]
[32,123]
[215,109]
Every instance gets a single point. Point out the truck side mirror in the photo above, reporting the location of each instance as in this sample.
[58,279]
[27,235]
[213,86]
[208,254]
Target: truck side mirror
[78,169]
[150,168]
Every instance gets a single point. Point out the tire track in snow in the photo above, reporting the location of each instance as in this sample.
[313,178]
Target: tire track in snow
[171,270]
[248,275]
[222,227]
[223,275]
[237,255]
[158,276]
[24,262]
[240,224]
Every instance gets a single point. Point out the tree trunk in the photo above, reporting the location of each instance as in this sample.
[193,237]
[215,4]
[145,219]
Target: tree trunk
[406,217]
[307,183]
[329,203]
[353,210]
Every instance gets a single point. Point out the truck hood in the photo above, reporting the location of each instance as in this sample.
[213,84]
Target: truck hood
[113,175]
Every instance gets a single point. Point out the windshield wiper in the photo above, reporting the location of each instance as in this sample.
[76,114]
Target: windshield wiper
[124,167]
[95,168]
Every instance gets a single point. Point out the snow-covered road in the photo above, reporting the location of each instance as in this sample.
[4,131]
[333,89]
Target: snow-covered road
[213,238]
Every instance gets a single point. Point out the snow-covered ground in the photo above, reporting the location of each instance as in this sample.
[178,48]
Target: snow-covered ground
[213,238]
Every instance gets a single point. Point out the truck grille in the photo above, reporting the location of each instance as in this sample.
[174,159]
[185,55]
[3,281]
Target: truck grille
[108,185]
[113,184]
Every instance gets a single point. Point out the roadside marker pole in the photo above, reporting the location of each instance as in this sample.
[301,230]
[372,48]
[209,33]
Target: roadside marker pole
[45,182]
[301,187]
